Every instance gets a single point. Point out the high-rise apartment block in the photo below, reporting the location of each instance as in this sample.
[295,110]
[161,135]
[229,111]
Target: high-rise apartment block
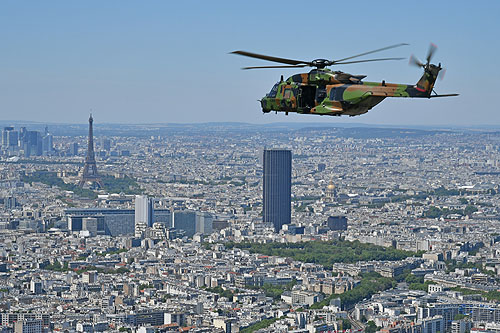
[143,210]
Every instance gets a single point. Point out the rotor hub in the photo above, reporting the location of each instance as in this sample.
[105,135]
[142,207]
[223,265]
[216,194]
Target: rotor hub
[433,69]
[321,63]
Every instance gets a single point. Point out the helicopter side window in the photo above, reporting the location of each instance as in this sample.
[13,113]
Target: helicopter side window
[273,91]
[332,94]
[336,94]
[321,94]
[288,93]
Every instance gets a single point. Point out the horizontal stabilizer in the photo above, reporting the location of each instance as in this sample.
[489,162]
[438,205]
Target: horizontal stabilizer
[445,95]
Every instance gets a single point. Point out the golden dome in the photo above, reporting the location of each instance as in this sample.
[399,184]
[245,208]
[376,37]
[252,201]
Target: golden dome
[330,186]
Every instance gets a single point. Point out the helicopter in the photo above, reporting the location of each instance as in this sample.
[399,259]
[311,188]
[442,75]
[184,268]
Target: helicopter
[335,93]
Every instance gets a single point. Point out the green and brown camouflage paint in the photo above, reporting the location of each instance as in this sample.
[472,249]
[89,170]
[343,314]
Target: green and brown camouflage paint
[337,93]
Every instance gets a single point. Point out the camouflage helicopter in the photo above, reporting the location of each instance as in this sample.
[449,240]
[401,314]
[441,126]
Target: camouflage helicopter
[335,93]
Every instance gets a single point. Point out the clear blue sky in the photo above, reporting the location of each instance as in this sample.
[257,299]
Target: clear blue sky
[168,61]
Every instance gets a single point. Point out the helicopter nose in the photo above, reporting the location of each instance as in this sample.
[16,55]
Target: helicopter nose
[263,104]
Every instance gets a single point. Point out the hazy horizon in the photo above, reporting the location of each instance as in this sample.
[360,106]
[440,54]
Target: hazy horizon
[291,125]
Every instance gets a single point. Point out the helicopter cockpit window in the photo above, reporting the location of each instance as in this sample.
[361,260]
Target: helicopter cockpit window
[273,91]
[288,93]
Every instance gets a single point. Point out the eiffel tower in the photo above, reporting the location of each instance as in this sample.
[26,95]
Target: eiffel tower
[89,172]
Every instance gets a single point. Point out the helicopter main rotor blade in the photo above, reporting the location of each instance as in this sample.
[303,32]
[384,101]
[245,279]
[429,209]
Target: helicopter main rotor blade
[267,67]
[270,58]
[370,52]
[368,60]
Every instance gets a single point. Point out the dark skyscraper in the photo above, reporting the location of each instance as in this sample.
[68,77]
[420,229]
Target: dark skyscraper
[73,149]
[277,187]
[106,144]
[89,173]
[32,143]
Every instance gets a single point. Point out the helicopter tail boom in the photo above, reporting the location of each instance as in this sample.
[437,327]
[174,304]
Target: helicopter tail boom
[428,79]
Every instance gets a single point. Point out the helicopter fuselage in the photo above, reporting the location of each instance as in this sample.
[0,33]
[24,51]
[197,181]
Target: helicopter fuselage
[334,93]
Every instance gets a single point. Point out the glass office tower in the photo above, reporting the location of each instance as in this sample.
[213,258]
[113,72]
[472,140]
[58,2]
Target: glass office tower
[277,187]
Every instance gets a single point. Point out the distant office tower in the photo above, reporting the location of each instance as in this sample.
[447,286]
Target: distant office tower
[29,141]
[143,210]
[22,136]
[32,143]
[5,133]
[47,142]
[277,187]
[89,173]
[204,222]
[13,139]
[10,139]
[106,144]
[73,149]
[5,136]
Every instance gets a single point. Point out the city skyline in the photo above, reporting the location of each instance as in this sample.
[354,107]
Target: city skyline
[399,225]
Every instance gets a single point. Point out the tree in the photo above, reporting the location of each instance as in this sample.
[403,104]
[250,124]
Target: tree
[346,324]
[460,316]
[371,327]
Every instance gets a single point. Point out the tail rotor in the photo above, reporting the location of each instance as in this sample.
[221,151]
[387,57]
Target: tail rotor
[414,61]
[431,71]
[441,74]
